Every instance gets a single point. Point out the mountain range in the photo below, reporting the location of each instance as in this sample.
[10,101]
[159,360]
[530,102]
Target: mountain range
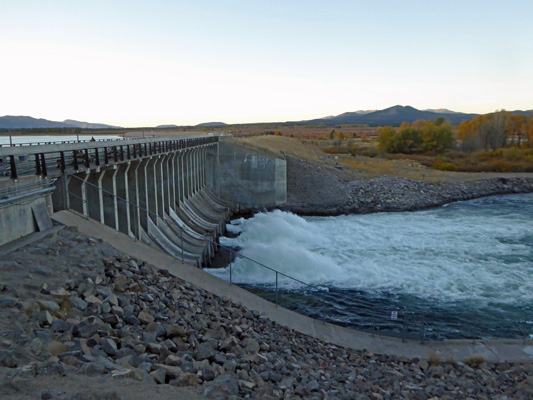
[25,122]
[390,116]
[396,115]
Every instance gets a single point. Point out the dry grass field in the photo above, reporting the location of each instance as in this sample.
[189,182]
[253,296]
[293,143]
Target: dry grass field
[312,150]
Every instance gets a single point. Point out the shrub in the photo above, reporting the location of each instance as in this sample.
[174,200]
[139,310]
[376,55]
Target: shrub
[474,361]
[442,165]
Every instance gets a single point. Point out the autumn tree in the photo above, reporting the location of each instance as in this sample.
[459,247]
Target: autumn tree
[485,132]
[420,136]
[437,136]
[518,129]
[337,137]
[531,132]
[386,137]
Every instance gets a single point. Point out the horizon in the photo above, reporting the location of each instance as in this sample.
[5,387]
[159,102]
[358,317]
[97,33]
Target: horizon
[64,120]
[143,64]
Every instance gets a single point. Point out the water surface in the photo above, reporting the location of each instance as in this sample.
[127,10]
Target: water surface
[462,270]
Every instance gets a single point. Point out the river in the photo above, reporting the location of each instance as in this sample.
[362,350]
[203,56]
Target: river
[460,271]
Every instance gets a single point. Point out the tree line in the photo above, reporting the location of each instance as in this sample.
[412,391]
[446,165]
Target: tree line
[484,132]
[417,137]
[495,130]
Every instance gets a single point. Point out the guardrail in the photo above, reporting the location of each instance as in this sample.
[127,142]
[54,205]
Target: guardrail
[15,194]
[94,155]
[92,140]
[399,323]
[392,321]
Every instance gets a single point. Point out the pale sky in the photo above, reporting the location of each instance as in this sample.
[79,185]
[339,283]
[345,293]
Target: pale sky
[145,63]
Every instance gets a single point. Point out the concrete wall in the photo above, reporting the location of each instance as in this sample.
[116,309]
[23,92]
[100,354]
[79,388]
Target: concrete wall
[16,217]
[180,185]
[251,180]
[164,200]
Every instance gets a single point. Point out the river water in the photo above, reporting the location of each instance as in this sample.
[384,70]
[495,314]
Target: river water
[460,271]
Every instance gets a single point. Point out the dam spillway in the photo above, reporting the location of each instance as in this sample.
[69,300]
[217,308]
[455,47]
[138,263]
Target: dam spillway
[165,192]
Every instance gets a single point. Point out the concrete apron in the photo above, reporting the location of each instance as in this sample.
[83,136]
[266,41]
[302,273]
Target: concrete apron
[505,350]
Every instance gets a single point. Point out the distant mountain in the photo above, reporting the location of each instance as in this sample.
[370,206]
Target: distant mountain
[171,126]
[24,122]
[391,116]
[527,113]
[442,111]
[211,124]
[365,111]
[89,125]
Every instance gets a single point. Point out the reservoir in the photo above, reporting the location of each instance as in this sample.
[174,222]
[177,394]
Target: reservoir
[464,270]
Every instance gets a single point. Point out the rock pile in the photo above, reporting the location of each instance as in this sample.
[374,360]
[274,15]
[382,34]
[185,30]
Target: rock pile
[315,189]
[119,317]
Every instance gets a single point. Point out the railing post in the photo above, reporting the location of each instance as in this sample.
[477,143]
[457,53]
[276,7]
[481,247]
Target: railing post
[404,330]
[276,288]
[373,321]
[422,331]
[182,248]
[37,165]
[230,266]
[62,161]
[43,165]
[75,156]
[323,306]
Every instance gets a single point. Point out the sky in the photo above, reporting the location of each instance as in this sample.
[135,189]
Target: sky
[145,63]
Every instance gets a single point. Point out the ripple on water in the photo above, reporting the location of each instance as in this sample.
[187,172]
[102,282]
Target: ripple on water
[466,268]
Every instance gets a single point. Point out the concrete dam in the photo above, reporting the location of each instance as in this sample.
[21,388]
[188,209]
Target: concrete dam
[165,201]
[172,194]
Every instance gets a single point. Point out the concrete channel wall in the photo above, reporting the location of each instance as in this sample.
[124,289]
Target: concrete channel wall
[164,200]
[173,194]
[252,181]
[18,200]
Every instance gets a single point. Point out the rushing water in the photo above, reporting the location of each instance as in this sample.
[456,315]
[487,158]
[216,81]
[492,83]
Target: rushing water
[463,270]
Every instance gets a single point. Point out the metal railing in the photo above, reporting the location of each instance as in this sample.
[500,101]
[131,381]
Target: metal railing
[390,321]
[94,155]
[405,324]
[45,142]
[20,194]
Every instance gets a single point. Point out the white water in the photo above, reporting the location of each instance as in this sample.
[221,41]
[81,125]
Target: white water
[479,251]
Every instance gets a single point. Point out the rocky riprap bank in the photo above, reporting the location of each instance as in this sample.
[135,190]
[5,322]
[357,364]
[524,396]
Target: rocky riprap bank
[317,189]
[73,308]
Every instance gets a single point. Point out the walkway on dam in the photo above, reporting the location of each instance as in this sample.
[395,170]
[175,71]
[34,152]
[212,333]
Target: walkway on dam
[457,350]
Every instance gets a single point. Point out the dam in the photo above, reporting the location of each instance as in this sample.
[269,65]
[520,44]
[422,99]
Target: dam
[173,194]
[166,201]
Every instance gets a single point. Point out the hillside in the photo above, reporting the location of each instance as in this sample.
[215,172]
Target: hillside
[391,116]
[26,122]
[89,125]
[210,124]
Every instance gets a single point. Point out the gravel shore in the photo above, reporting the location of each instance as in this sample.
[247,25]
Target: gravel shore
[79,320]
[318,189]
